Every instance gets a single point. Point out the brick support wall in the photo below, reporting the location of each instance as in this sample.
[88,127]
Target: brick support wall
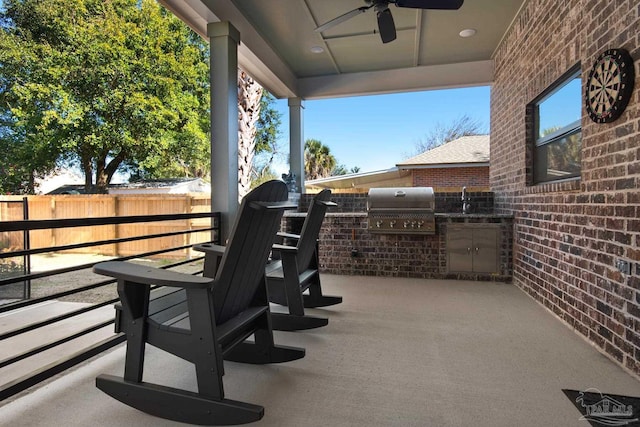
[477,176]
[347,247]
[570,235]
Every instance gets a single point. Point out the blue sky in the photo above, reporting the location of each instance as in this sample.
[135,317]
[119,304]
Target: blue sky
[375,132]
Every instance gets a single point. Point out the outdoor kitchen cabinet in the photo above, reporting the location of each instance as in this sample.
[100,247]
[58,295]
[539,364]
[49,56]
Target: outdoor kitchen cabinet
[473,248]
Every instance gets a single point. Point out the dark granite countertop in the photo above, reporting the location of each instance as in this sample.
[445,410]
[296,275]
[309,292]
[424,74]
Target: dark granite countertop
[437,215]
[472,215]
[291,214]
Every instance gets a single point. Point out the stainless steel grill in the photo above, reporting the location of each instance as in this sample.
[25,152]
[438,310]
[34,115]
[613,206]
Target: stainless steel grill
[402,210]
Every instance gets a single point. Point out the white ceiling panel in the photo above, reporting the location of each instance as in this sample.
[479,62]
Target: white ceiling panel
[278,42]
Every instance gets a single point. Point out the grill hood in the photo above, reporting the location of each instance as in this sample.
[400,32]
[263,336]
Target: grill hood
[401,198]
[401,210]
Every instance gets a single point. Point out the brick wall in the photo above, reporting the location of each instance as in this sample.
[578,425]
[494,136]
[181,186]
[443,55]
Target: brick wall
[570,235]
[347,247]
[477,176]
[375,254]
[451,202]
[347,202]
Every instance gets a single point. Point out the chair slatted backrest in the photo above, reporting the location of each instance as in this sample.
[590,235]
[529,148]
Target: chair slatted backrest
[242,266]
[311,228]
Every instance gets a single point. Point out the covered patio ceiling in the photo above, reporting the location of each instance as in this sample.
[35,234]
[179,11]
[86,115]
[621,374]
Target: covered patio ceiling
[278,43]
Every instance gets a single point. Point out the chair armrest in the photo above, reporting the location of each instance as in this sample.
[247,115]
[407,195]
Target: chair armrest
[288,235]
[139,274]
[212,257]
[281,238]
[273,205]
[210,248]
[285,249]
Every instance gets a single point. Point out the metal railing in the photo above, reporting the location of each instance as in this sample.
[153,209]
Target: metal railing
[41,373]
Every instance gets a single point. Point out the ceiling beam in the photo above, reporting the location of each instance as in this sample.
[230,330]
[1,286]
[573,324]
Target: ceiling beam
[478,73]
[267,68]
[418,37]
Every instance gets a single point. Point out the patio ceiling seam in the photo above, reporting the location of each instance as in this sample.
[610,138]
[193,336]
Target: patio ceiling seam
[418,36]
[326,47]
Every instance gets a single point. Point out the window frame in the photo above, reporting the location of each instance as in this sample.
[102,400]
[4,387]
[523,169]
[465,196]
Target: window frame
[557,136]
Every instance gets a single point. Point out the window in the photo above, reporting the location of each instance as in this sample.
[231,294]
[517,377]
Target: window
[557,131]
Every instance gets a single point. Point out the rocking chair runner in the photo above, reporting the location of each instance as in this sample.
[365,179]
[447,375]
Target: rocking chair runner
[204,321]
[298,271]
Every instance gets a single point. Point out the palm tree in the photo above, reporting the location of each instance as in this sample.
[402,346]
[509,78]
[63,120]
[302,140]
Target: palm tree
[318,160]
[249,95]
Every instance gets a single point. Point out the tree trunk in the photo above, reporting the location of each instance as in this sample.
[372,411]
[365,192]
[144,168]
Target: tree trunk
[87,168]
[102,180]
[102,183]
[249,94]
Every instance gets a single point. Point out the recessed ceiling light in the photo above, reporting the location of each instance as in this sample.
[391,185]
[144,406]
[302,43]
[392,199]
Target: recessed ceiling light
[317,49]
[469,32]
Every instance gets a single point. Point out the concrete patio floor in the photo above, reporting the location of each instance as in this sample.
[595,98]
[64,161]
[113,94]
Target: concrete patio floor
[396,352]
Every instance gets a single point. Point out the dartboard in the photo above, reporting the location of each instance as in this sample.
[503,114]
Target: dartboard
[609,86]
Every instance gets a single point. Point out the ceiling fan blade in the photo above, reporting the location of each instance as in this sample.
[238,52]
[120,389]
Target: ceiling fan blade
[386,25]
[340,19]
[430,4]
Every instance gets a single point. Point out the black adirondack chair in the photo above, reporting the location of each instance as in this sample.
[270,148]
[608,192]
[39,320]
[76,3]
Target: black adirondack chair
[204,321]
[297,271]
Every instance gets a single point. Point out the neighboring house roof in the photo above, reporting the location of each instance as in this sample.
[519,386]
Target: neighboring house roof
[166,186]
[68,189]
[162,186]
[383,178]
[464,151]
[59,179]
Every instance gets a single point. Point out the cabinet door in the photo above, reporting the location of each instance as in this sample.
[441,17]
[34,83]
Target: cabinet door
[459,250]
[485,250]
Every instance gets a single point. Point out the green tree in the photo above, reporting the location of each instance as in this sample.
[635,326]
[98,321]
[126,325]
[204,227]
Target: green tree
[267,134]
[263,175]
[318,160]
[108,86]
[28,149]
[268,125]
[339,170]
[342,170]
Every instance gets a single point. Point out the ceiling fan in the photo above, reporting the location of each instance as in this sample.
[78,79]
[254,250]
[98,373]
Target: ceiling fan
[386,26]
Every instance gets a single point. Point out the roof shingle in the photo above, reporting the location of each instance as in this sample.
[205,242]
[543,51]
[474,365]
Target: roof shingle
[467,149]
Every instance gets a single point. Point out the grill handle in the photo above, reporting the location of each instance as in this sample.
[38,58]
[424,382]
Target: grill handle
[400,193]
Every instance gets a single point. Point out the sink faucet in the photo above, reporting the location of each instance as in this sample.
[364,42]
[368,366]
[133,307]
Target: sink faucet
[466,205]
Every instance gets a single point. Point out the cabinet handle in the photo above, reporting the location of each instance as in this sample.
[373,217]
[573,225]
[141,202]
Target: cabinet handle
[468,251]
[477,249]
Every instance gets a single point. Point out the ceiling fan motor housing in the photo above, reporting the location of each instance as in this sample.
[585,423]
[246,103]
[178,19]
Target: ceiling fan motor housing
[386,26]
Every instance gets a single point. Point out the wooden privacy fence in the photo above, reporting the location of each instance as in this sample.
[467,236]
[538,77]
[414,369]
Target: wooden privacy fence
[106,205]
